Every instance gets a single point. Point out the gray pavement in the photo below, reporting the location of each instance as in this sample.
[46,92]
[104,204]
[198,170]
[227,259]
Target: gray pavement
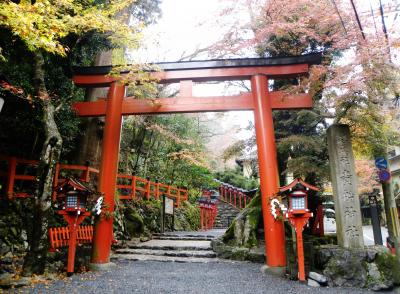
[172,277]
[205,275]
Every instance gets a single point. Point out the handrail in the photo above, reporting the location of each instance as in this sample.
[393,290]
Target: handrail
[208,214]
[234,196]
[136,186]
[140,187]
[11,175]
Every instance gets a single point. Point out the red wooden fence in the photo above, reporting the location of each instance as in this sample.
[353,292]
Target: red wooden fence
[11,176]
[59,236]
[208,214]
[233,195]
[128,186]
[135,187]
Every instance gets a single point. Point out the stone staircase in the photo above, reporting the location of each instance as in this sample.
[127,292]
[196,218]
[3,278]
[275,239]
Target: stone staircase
[172,247]
[226,214]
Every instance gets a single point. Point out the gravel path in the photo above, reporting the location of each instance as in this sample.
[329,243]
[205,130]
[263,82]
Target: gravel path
[171,277]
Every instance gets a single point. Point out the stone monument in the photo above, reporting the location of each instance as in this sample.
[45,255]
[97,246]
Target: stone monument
[344,184]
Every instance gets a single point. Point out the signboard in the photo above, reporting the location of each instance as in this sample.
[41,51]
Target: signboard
[167,210]
[169,206]
[384,175]
[381,163]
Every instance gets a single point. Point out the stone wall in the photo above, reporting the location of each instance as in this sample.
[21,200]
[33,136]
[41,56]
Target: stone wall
[373,268]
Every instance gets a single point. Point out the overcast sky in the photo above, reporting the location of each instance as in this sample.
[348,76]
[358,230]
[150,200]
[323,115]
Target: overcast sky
[186,25]
[182,28]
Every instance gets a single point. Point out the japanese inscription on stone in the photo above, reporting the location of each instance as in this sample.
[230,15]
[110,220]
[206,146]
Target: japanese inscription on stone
[344,184]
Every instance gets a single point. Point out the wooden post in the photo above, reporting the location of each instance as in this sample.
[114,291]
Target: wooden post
[178,201]
[12,166]
[157,190]
[201,217]
[73,221]
[298,222]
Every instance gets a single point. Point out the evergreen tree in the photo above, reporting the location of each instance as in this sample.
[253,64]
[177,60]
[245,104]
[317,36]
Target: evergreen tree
[40,41]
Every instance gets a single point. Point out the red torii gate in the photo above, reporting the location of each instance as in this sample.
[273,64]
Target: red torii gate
[260,100]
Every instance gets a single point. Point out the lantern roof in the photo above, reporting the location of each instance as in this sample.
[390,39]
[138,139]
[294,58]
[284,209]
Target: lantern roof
[73,183]
[295,185]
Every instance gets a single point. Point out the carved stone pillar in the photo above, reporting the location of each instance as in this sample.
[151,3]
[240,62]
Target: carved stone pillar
[344,184]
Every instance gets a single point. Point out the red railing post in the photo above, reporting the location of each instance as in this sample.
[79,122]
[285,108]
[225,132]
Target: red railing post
[169,191]
[85,176]
[157,190]
[207,218]
[148,189]
[178,201]
[133,187]
[201,217]
[12,166]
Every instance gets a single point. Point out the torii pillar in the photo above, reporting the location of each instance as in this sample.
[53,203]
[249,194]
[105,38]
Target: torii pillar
[268,170]
[260,100]
[103,234]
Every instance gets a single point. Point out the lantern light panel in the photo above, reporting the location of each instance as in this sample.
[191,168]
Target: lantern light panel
[72,201]
[298,203]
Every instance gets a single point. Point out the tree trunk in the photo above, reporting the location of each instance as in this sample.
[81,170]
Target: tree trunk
[89,147]
[35,258]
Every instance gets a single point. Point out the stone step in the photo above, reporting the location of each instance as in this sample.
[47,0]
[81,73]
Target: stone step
[172,245]
[174,253]
[144,257]
[198,236]
[184,238]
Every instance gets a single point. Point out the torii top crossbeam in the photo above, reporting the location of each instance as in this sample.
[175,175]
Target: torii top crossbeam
[187,72]
[260,100]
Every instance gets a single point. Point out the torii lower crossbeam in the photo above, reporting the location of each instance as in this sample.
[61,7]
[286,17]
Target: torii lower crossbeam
[132,106]
[260,100]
